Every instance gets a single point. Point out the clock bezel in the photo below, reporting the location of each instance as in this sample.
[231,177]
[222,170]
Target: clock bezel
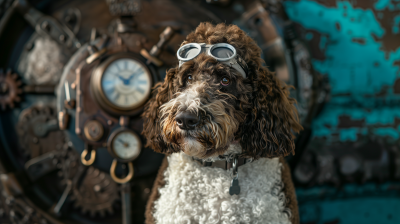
[113,136]
[98,92]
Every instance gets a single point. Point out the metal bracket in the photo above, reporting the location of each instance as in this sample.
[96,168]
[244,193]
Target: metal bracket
[47,25]
[155,51]
[39,166]
[121,180]
[92,158]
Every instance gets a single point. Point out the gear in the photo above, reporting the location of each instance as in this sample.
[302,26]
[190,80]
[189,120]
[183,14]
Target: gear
[70,166]
[93,191]
[9,89]
[38,131]
[16,210]
[96,193]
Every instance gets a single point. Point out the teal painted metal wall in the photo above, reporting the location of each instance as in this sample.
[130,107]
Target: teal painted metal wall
[357,45]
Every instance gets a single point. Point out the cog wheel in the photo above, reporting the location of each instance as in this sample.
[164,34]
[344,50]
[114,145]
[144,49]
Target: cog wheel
[9,89]
[69,166]
[96,194]
[38,131]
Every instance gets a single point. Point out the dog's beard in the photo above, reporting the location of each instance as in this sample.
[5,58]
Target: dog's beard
[208,139]
[192,147]
[214,133]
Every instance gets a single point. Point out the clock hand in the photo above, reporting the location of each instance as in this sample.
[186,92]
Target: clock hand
[129,79]
[125,81]
[120,77]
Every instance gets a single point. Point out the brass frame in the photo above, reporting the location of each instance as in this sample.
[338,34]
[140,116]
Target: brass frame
[112,138]
[98,92]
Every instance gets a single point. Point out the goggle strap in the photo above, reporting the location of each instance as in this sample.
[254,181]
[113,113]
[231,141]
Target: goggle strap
[242,64]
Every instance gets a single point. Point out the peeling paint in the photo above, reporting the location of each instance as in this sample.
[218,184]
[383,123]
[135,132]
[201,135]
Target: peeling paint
[349,64]
[356,43]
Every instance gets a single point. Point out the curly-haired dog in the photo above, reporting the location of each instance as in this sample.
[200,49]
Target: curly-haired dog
[208,112]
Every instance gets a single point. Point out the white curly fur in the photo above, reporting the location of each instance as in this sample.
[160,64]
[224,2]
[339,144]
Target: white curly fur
[197,194]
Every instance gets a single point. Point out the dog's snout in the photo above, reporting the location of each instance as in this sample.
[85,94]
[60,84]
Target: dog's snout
[187,120]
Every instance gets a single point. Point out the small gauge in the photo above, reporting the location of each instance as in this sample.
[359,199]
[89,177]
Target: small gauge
[124,144]
[93,130]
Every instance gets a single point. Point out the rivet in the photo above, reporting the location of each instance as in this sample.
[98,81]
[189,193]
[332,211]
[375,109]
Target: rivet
[62,38]
[97,188]
[46,26]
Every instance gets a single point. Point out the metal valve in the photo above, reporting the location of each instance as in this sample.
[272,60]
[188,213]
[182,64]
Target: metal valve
[151,57]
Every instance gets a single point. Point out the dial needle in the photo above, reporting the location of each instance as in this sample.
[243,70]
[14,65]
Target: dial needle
[124,143]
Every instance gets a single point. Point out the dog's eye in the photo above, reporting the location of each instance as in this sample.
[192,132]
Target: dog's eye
[189,79]
[225,81]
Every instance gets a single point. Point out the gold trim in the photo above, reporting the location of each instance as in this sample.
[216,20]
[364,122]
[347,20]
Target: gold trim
[92,157]
[125,179]
[96,55]
[63,119]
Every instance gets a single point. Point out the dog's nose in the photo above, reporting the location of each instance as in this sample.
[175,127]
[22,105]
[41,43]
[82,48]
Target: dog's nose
[186,120]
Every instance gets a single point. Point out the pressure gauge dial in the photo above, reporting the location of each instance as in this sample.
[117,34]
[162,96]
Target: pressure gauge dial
[124,144]
[93,130]
[121,84]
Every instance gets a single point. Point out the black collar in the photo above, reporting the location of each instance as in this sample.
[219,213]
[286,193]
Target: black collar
[226,164]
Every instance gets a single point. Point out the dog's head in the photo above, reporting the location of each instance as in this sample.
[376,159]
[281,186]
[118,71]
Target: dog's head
[204,106]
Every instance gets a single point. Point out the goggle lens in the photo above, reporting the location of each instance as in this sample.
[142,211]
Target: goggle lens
[222,52]
[189,52]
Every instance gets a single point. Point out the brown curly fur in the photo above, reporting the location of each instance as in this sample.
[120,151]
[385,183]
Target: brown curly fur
[260,104]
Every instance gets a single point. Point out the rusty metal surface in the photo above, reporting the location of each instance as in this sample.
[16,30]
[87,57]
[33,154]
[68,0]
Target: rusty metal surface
[9,89]
[354,148]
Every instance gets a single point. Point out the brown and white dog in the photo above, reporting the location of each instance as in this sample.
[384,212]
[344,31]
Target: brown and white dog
[206,111]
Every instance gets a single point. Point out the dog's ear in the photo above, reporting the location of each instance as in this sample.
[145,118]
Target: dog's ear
[162,93]
[269,126]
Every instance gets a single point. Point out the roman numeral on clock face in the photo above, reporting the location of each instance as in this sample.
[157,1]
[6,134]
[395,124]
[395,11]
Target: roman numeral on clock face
[126,82]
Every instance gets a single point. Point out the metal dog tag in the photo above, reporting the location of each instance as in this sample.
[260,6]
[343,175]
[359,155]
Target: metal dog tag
[235,188]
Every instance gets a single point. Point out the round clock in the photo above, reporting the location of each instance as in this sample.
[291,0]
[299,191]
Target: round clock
[125,145]
[121,84]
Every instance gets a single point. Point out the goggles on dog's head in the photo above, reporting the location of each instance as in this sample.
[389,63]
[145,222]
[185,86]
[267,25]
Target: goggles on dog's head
[224,53]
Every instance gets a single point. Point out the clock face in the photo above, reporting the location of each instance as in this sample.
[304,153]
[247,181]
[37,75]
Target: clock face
[126,83]
[126,145]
